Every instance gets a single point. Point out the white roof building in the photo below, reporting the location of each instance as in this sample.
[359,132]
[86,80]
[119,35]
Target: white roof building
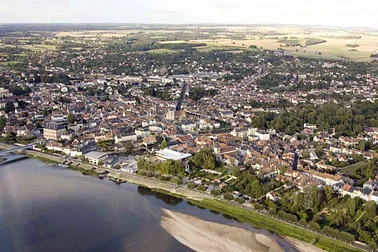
[171,154]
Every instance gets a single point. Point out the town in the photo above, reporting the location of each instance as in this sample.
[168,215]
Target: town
[292,137]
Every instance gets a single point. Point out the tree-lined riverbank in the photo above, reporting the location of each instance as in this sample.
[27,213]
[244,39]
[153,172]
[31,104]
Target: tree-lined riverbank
[205,200]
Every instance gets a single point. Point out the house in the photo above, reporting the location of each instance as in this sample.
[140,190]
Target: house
[374,197]
[240,132]
[188,126]
[328,179]
[262,136]
[96,157]
[346,190]
[149,140]
[271,196]
[54,130]
[370,184]
[142,132]
[175,114]
[309,126]
[205,124]
[125,138]
[227,113]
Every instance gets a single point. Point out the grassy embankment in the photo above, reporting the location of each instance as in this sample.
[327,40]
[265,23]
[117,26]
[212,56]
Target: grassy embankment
[42,159]
[262,221]
[83,171]
[70,167]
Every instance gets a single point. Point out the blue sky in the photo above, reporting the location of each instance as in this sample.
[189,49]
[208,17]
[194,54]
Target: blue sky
[353,13]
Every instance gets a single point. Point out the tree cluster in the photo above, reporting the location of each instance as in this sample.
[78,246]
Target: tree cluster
[168,167]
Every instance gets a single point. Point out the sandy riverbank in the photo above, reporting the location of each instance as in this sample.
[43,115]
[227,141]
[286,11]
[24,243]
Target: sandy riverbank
[207,236]
[201,235]
[303,246]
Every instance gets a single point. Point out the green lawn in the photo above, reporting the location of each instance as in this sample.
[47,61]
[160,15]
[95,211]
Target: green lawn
[351,168]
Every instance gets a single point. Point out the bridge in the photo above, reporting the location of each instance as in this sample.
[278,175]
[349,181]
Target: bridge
[10,148]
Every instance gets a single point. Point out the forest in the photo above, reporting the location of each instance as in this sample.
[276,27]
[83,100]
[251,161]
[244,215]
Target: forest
[346,121]
[321,210]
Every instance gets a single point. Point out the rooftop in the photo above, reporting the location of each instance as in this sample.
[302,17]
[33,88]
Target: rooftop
[171,154]
[95,154]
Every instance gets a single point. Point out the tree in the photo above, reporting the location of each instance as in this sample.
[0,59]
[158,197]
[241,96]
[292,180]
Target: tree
[371,210]
[330,231]
[215,192]
[3,122]
[373,245]
[235,171]
[228,196]
[201,188]
[314,226]
[163,144]
[70,118]
[10,137]
[328,192]
[204,159]
[91,92]
[347,237]
[9,107]
[191,185]
[240,200]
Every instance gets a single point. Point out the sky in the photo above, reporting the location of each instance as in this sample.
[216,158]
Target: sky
[347,13]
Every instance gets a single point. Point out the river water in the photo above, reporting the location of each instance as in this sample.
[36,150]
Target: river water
[49,208]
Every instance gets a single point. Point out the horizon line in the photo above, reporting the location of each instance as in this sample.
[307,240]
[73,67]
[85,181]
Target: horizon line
[188,24]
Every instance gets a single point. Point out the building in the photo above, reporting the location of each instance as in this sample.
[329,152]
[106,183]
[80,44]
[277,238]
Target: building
[4,93]
[310,126]
[58,117]
[167,154]
[240,132]
[174,115]
[188,126]
[95,157]
[142,132]
[125,138]
[263,136]
[54,131]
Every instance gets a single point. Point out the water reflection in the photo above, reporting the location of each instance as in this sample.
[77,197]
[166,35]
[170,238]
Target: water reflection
[168,199]
[215,212]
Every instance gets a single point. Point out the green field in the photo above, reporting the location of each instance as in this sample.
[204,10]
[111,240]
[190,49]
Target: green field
[6,63]
[41,48]
[228,48]
[351,168]
[162,51]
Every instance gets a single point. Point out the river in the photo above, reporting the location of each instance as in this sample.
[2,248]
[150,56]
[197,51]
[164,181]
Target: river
[49,208]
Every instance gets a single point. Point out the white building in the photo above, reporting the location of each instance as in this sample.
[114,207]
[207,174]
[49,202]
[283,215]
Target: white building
[167,154]
[263,136]
[142,132]
[188,126]
[95,157]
